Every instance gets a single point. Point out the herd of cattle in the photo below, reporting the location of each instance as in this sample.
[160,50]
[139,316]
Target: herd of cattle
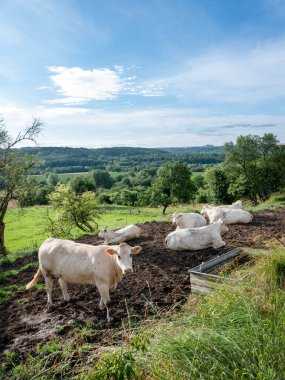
[104,265]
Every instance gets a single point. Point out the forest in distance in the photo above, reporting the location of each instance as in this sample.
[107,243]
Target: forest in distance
[121,159]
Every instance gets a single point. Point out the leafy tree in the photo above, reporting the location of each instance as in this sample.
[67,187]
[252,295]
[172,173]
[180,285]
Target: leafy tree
[72,210]
[217,184]
[26,194]
[102,178]
[255,166]
[81,183]
[14,167]
[52,179]
[172,184]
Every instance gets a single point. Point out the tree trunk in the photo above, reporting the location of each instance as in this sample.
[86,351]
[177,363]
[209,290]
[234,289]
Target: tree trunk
[2,246]
[164,209]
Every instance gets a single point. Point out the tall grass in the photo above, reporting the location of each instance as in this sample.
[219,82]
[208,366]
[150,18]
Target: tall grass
[236,333]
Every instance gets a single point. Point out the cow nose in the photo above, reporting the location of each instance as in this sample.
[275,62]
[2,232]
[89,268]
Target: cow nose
[128,270]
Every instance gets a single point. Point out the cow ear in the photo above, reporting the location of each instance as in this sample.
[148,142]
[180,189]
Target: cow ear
[136,249]
[110,251]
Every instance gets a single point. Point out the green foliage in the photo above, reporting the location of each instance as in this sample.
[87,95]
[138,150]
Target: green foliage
[52,179]
[82,183]
[120,365]
[101,178]
[120,159]
[172,184]
[72,210]
[217,185]
[255,167]
[236,332]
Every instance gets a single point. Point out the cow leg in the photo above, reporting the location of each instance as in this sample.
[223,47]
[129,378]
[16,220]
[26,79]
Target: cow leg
[49,286]
[105,298]
[218,244]
[63,286]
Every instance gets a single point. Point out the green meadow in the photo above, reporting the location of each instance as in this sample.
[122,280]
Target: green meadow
[25,228]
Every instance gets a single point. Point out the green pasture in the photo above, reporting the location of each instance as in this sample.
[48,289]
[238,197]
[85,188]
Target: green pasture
[25,228]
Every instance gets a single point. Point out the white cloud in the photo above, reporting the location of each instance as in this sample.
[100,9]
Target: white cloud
[79,86]
[76,83]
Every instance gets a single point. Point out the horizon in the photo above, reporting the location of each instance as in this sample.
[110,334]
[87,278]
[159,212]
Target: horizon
[153,74]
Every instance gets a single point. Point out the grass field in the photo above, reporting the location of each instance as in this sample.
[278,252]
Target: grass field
[25,228]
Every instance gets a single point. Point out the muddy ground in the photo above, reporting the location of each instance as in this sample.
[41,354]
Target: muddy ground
[160,284]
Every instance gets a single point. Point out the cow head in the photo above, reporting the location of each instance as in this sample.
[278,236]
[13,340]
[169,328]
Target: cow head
[204,210]
[103,232]
[123,253]
[223,228]
[176,218]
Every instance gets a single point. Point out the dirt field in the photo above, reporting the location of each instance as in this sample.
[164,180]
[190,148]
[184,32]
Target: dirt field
[160,284]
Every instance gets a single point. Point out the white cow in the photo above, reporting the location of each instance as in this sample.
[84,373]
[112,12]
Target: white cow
[188,220]
[115,237]
[194,239]
[236,205]
[75,263]
[229,216]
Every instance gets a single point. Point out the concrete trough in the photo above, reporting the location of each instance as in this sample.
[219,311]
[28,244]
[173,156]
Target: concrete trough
[202,281]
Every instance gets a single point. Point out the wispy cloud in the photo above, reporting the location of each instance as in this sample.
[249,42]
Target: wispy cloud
[79,86]
[78,126]
[243,125]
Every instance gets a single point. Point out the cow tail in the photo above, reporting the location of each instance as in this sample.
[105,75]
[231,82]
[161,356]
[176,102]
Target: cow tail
[34,280]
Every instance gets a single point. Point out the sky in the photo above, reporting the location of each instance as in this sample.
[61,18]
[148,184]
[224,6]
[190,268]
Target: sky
[143,73]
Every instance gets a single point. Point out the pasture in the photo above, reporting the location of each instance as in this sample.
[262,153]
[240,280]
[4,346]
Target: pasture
[154,295]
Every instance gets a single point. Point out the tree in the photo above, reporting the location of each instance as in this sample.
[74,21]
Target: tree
[255,166]
[102,178]
[217,184]
[14,167]
[81,183]
[172,184]
[72,210]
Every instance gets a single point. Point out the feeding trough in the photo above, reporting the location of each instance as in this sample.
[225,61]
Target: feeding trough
[202,281]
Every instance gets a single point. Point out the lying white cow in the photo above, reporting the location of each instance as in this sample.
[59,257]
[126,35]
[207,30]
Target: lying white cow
[188,220]
[236,205]
[75,263]
[115,237]
[229,216]
[194,239]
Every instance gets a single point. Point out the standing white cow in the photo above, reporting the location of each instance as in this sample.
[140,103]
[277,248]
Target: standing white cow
[194,239]
[115,237]
[229,216]
[188,220]
[75,263]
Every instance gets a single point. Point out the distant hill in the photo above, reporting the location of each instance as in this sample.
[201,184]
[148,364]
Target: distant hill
[70,160]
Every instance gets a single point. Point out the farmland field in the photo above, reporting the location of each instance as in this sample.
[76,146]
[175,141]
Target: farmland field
[160,283]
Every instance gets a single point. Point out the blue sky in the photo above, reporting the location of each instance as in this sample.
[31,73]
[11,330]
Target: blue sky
[146,73]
